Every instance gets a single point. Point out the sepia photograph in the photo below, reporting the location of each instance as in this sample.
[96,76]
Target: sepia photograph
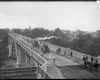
[50,40]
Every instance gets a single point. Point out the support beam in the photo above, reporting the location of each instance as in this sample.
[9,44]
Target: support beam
[10,48]
[18,55]
[26,59]
[23,57]
[39,75]
[29,60]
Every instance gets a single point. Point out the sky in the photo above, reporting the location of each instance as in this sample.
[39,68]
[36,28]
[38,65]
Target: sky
[50,15]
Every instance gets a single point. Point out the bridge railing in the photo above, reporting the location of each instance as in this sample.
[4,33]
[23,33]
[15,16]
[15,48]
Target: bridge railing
[30,51]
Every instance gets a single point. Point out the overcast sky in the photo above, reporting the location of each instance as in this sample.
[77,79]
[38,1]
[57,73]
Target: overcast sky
[66,15]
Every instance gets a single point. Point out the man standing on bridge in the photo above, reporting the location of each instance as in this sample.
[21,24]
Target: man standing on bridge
[71,54]
[64,52]
[85,59]
[54,61]
[96,64]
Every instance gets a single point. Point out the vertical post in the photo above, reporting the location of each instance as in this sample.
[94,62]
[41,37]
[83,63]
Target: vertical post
[43,74]
[68,51]
[23,57]
[10,47]
[18,62]
[26,59]
[43,70]
[39,76]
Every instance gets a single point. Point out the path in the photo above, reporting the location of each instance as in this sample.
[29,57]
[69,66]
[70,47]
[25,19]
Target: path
[54,72]
[70,69]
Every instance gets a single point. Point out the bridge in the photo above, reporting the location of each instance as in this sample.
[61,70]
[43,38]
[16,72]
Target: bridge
[27,54]
[24,50]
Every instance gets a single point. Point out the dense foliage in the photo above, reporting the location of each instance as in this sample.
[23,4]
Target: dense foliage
[86,42]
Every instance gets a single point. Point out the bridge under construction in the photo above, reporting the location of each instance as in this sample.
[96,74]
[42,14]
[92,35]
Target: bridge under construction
[40,65]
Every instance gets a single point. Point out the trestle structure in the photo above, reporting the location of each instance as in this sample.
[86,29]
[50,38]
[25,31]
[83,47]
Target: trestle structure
[25,53]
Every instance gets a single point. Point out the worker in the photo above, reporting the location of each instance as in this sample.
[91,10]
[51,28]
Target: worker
[64,52]
[96,65]
[92,59]
[84,60]
[71,54]
[54,61]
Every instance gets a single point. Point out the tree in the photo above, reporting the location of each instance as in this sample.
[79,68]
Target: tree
[17,30]
[59,33]
[95,47]
[40,32]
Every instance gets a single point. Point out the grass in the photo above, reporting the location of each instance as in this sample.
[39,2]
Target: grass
[79,72]
[70,72]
